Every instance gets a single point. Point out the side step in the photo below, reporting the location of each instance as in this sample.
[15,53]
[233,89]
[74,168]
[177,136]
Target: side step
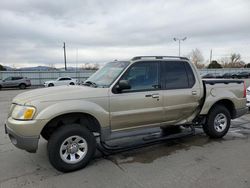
[154,138]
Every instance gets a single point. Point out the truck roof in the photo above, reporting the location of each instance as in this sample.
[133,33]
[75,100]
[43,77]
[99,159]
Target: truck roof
[158,58]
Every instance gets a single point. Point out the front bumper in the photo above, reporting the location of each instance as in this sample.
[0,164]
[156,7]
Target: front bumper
[29,144]
[24,134]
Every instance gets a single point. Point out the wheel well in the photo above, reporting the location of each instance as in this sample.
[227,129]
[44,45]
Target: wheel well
[22,84]
[228,104]
[83,119]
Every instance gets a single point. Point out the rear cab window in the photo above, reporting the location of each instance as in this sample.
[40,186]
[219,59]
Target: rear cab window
[177,75]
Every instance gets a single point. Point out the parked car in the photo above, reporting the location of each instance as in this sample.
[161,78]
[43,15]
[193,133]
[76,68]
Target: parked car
[229,75]
[243,75]
[61,81]
[248,98]
[122,100]
[15,81]
[212,75]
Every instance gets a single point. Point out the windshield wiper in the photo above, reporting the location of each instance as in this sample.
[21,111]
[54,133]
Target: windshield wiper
[90,83]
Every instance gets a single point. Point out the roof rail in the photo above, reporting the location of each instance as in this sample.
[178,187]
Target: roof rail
[158,57]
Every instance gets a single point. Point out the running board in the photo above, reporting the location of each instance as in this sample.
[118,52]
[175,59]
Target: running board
[147,140]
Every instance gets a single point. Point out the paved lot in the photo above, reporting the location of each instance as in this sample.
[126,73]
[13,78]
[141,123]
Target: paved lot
[191,162]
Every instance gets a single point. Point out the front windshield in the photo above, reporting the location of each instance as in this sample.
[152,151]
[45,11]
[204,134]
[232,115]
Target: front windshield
[105,76]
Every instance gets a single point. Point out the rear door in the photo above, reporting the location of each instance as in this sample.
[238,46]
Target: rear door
[182,92]
[7,82]
[141,105]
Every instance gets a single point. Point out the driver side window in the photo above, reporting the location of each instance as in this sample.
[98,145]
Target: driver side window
[142,76]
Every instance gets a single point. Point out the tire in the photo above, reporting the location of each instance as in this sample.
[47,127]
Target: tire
[0,87]
[72,83]
[63,160]
[212,127]
[50,85]
[22,86]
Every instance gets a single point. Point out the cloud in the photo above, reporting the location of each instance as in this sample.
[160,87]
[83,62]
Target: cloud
[34,31]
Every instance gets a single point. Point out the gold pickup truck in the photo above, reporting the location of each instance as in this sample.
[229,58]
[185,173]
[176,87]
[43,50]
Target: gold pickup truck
[123,99]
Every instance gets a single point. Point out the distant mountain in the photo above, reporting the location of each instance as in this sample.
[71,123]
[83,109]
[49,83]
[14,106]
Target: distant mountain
[43,68]
[8,68]
[38,68]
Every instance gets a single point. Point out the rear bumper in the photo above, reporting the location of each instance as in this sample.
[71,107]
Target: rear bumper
[240,112]
[29,144]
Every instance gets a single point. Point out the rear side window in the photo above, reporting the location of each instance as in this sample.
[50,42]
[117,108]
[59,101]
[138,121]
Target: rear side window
[62,79]
[178,75]
[17,78]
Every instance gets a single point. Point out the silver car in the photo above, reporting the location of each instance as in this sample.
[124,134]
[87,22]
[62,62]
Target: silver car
[15,81]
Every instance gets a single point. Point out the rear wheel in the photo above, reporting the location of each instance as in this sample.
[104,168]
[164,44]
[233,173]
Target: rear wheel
[71,83]
[71,147]
[218,122]
[22,86]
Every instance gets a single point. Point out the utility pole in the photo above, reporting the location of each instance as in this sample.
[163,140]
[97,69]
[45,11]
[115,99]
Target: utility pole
[65,63]
[179,40]
[211,55]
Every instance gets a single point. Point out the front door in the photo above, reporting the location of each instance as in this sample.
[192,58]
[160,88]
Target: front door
[142,104]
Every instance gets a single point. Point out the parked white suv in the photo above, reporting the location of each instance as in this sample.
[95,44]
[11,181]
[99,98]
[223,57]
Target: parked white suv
[61,81]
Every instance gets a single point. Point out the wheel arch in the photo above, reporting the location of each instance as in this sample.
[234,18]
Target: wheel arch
[226,103]
[84,119]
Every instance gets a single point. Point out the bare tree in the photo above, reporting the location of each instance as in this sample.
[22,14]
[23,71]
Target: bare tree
[235,58]
[234,61]
[197,58]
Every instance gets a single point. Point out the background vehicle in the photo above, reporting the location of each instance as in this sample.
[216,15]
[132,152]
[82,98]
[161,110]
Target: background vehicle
[212,75]
[243,75]
[122,100]
[61,81]
[229,75]
[248,98]
[15,81]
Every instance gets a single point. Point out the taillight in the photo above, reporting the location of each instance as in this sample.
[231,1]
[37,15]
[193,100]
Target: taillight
[245,90]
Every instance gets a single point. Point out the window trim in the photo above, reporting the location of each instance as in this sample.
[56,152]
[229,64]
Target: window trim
[186,64]
[114,91]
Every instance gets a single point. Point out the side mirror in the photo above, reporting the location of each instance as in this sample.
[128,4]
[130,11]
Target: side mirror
[123,84]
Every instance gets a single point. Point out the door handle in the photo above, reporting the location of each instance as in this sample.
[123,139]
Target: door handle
[155,95]
[194,92]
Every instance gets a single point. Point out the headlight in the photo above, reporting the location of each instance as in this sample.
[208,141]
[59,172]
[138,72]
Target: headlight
[23,112]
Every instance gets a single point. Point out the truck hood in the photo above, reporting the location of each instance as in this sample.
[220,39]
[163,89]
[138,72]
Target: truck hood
[60,93]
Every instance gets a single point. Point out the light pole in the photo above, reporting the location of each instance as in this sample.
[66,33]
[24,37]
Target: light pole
[179,40]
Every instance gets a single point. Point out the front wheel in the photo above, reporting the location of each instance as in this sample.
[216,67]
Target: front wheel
[71,147]
[218,122]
